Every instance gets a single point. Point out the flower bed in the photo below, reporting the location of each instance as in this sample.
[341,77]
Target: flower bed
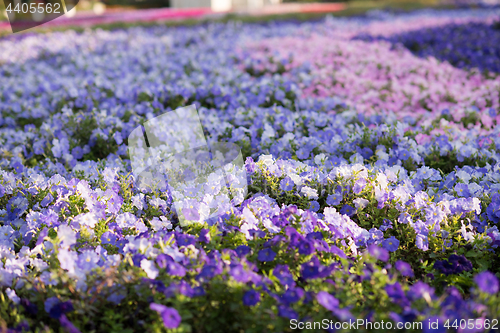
[373,176]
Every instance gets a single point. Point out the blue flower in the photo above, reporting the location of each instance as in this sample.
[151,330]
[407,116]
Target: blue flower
[306,247]
[378,252]
[395,291]
[109,238]
[391,244]
[314,205]
[282,272]
[334,199]
[347,210]
[266,254]
[404,154]
[287,184]
[242,250]
[487,282]
[404,268]
[68,325]
[251,298]
[462,190]
[327,301]
[292,295]
[57,310]
[287,312]
[170,316]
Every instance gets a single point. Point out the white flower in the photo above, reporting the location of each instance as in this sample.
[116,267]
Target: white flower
[66,235]
[268,133]
[320,159]
[464,176]
[149,267]
[361,203]
[266,160]
[475,189]
[270,226]
[12,295]
[309,192]
[87,219]
[296,179]
[174,253]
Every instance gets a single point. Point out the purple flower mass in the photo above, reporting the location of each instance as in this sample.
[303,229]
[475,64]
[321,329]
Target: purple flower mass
[251,298]
[327,301]
[454,265]
[266,255]
[370,187]
[404,268]
[170,316]
[391,244]
[487,282]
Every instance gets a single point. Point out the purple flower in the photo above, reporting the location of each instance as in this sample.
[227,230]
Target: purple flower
[493,211]
[59,309]
[422,242]
[462,190]
[303,153]
[336,250]
[294,236]
[242,250]
[286,184]
[334,199]
[171,267]
[191,214]
[16,206]
[67,325]
[47,200]
[251,298]
[239,274]
[378,252]
[292,295]
[170,316]
[420,289]
[387,224]
[343,314]
[282,272]
[182,288]
[434,215]
[347,210]
[184,240]
[306,247]
[391,244]
[376,236]
[487,282]
[208,272]
[250,165]
[445,267]
[204,236]
[327,301]
[287,312]
[266,255]
[403,154]
[462,263]
[108,238]
[455,265]
[442,141]
[359,186]
[314,206]
[310,270]
[404,268]
[395,291]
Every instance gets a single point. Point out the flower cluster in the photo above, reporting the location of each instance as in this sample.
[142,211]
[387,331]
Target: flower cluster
[373,177]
